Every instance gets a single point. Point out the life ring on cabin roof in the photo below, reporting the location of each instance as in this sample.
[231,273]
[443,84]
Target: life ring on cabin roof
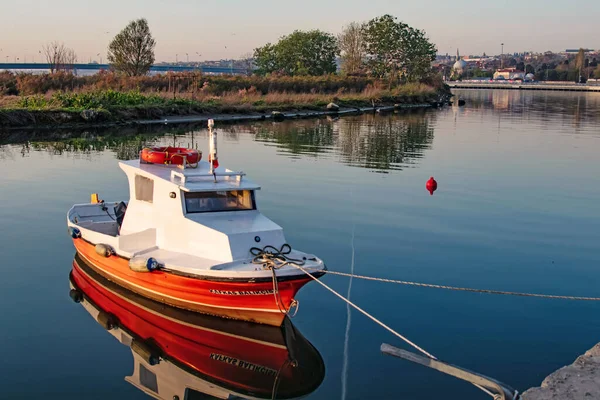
[170,155]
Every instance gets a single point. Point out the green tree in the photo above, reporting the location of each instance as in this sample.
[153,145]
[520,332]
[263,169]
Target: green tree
[132,50]
[300,53]
[395,49]
[352,48]
[419,52]
[553,75]
[529,69]
[520,66]
[478,73]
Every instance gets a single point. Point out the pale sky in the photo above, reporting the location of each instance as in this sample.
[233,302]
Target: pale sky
[230,28]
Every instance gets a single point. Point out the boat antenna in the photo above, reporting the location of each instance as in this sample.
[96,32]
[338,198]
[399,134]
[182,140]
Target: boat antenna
[212,142]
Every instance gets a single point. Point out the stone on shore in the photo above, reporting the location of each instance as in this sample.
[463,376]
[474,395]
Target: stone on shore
[89,115]
[333,107]
[277,116]
[580,380]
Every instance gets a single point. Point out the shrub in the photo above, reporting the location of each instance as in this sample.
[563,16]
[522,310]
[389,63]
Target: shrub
[8,84]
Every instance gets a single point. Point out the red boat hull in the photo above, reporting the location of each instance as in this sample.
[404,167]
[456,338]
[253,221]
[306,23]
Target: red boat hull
[246,300]
[207,346]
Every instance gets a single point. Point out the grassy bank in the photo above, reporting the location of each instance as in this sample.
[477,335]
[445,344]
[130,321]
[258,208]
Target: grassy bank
[89,103]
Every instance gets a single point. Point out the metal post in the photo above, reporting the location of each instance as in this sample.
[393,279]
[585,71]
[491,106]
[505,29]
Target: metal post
[500,390]
[212,143]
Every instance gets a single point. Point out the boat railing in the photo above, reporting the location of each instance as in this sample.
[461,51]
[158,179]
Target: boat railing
[195,176]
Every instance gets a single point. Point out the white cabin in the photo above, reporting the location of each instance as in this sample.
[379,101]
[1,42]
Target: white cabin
[186,211]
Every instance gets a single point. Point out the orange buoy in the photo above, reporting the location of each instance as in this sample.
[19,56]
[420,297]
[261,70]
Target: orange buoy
[431,185]
[170,155]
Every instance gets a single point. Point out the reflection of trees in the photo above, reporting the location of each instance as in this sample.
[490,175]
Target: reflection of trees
[385,142]
[125,148]
[298,136]
[379,142]
[369,141]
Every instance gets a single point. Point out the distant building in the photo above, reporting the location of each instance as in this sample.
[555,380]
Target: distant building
[509,74]
[459,67]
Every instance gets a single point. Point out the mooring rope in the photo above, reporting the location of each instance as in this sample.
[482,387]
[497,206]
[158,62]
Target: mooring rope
[378,322]
[279,302]
[463,289]
[384,326]
[272,258]
[276,382]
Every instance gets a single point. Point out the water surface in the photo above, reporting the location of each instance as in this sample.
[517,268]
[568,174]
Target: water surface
[516,209]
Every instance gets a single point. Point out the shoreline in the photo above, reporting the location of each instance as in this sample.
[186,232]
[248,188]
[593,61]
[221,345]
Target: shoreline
[280,115]
[579,380]
[23,120]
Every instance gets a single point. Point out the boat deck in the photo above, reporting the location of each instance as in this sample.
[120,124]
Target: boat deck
[183,262]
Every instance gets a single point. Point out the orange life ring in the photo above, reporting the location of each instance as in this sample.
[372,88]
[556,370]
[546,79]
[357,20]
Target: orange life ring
[170,155]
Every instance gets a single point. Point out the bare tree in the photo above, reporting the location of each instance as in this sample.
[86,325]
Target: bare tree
[69,59]
[54,53]
[59,57]
[351,45]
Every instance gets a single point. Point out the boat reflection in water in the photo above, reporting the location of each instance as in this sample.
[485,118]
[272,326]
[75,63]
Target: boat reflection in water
[184,355]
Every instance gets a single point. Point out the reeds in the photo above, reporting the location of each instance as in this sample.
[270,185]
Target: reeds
[201,93]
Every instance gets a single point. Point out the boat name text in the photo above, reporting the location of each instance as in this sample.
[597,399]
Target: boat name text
[243,364]
[242,292]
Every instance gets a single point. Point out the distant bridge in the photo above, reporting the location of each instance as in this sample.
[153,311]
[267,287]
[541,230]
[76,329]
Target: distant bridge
[558,86]
[155,68]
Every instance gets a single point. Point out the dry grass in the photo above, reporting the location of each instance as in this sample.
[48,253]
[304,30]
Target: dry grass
[8,101]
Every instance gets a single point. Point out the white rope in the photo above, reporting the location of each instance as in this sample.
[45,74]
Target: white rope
[464,289]
[279,302]
[372,318]
[378,322]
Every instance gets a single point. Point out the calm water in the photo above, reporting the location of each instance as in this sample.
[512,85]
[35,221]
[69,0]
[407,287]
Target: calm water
[516,209]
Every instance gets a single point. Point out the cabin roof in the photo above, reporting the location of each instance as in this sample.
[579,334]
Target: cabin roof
[192,179]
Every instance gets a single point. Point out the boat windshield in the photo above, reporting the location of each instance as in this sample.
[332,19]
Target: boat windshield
[233,200]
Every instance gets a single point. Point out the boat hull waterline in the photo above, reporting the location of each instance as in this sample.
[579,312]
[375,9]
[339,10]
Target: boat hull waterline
[242,299]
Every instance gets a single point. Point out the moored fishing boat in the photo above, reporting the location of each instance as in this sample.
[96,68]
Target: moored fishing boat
[191,236]
[180,354]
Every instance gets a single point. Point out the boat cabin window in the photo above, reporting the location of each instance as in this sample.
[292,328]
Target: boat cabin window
[148,379]
[232,200]
[144,189]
